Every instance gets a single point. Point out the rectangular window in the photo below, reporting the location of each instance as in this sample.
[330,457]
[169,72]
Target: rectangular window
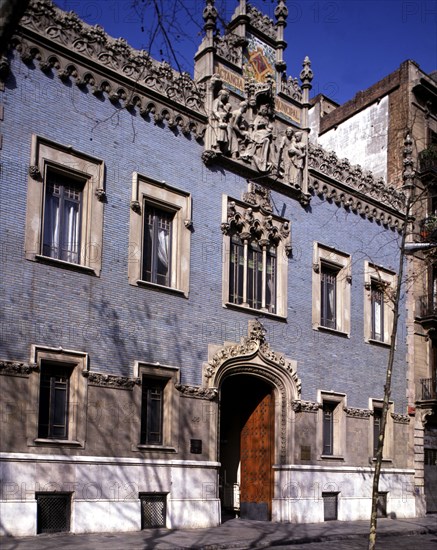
[152,411]
[379,284]
[53,402]
[65,203]
[377,309]
[330,506]
[62,218]
[328,297]
[157,245]
[331,288]
[252,276]
[160,228]
[328,428]
[377,417]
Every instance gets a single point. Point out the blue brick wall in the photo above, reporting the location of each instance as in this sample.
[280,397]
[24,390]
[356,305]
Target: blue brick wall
[117,323]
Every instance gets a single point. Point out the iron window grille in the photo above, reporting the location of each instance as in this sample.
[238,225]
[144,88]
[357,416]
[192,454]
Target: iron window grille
[62,217]
[328,428]
[377,419]
[53,402]
[53,512]
[152,411]
[153,510]
[328,296]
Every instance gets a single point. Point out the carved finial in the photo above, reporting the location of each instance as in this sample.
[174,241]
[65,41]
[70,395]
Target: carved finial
[210,15]
[409,172]
[281,12]
[306,74]
[257,331]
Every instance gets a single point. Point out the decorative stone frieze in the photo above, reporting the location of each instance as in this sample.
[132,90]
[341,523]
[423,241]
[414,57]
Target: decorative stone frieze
[16,368]
[357,413]
[305,406]
[400,418]
[255,224]
[130,78]
[111,381]
[198,392]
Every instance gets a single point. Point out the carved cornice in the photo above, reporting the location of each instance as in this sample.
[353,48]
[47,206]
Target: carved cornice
[16,368]
[111,381]
[400,418]
[305,406]
[357,413]
[198,392]
[129,78]
[348,186]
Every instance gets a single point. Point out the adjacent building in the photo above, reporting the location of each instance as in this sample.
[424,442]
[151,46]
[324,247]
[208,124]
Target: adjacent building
[197,294]
[370,130]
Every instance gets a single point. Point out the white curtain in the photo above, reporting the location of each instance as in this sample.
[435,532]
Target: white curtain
[163,246]
[71,232]
[51,227]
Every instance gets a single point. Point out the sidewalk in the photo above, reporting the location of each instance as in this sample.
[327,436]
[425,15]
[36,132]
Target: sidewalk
[235,533]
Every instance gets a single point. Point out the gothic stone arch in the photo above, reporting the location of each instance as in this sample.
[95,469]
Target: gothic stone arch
[253,356]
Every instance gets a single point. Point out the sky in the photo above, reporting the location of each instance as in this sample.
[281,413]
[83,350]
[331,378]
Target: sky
[352,44]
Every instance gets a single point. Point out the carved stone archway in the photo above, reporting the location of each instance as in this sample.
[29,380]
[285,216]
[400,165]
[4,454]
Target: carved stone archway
[253,356]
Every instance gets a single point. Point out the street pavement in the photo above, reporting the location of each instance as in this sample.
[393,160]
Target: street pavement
[245,534]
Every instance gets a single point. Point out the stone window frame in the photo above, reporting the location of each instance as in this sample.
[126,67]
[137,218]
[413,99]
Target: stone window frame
[160,195]
[171,376]
[237,220]
[387,455]
[387,279]
[49,155]
[324,255]
[78,361]
[339,424]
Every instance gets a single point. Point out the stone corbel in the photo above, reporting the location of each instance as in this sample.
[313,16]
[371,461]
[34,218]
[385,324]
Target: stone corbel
[135,206]
[316,267]
[34,172]
[189,224]
[100,194]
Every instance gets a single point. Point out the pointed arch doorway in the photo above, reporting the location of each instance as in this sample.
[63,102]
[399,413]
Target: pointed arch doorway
[247,406]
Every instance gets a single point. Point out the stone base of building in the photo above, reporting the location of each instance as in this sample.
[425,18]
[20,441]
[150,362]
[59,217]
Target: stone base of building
[107,495]
[307,494]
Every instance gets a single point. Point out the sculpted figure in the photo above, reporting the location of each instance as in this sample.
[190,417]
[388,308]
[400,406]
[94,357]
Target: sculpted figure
[219,121]
[292,154]
[260,141]
[238,129]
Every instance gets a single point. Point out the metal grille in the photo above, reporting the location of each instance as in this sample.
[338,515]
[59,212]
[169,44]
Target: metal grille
[381,505]
[330,505]
[53,512]
[153,510]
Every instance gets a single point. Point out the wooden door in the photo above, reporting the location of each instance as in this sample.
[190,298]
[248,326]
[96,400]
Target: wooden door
[256,455]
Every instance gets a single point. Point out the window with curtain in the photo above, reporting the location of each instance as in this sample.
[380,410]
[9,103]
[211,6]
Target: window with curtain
[252,277]
[53,402]
[62,217]
[328,296]
[377,309]
[157,245]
